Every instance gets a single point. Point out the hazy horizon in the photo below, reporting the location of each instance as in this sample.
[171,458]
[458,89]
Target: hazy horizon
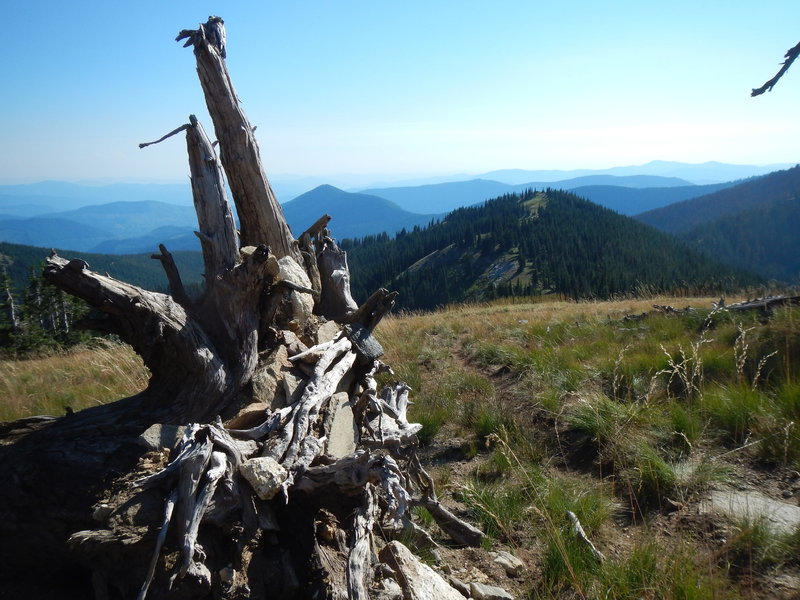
[398,91]
[366,179]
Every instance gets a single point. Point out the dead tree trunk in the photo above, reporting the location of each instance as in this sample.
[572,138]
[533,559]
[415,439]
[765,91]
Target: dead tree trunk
[262,458]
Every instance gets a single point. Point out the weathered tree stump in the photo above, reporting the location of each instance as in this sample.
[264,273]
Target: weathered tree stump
[289,459]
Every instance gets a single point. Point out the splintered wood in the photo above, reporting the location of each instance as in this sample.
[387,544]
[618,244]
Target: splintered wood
[290,454]
[210,469]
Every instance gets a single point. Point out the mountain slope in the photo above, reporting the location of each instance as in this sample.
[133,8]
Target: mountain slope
[52,232]
[61,195]
[633,201]
[90,227]
[138,269]
[174,238]
[353,215]
[531,243]
[442,197]
[763,239]
[683,216]
[127,219]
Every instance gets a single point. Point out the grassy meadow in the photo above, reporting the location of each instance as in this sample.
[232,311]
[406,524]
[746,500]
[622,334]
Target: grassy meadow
[534,412]
[79,378]
[626,423]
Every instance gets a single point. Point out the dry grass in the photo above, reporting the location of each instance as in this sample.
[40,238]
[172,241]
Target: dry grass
[597,405]
[79,378]
[556,406]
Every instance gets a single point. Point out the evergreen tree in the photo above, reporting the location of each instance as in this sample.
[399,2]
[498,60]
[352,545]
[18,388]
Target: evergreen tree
[45,320]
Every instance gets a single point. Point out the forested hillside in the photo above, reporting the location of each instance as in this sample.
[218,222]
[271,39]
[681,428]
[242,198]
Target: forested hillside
[531,243]
[763,239]
[683,216]
[632,201]
[752,225]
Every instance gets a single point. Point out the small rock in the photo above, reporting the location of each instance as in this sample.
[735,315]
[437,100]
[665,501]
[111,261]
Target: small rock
[293,387]
[267,379]
[343,433]
[102,512]
[459,585]
[418,580]
[302,303]
[389,590]
[247,447]
[251,415]
[778,516]
[327,331]
[294,345]
[513,566]
[481,591]
[160,436]
[265,475]
[787,493]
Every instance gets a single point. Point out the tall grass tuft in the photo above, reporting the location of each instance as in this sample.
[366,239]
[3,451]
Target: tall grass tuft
[78,378]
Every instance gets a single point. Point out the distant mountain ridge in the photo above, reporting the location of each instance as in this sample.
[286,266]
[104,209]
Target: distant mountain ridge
[696,173]
[444,197]
[353,214]
[56,233]
[633,201]
[131,218]
[89,227]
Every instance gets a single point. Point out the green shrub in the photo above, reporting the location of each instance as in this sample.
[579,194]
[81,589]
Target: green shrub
[733,411]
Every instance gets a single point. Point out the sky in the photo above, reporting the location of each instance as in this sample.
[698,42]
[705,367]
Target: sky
[401,89]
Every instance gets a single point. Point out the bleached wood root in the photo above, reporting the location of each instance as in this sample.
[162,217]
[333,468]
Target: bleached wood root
[335,301]
[359,560]
[260,214]
[460,531]
[377,306]
[577,530]
[162,535]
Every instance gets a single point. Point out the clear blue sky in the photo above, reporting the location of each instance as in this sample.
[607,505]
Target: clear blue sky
[402,88]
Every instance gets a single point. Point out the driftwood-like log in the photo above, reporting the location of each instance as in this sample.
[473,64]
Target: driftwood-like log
[317,227]
[218,236]
[377,306]
[460,531]
[762,304]
[225,513]
[176,289]
[578,532]
[260,214]
[358,563]
[335,301]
